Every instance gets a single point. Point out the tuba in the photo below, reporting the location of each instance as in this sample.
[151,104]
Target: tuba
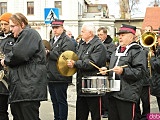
[149,40]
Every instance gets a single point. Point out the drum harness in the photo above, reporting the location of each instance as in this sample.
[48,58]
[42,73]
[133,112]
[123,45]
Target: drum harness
[122,54]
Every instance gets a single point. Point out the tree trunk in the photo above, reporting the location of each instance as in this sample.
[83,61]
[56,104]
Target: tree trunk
[124,8]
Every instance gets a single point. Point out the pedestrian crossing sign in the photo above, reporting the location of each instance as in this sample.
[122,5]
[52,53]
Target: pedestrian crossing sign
[50,14]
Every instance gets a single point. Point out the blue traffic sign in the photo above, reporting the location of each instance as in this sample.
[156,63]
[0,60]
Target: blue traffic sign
[50,14]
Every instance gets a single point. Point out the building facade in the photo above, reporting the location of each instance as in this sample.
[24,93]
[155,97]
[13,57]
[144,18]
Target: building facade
[74,12]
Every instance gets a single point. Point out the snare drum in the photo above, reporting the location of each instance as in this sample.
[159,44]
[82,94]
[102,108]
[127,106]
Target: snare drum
[94,84]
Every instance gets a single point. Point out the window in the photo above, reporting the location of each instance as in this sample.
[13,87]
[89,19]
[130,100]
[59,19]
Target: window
[3,7]
[58,4]
[30,8]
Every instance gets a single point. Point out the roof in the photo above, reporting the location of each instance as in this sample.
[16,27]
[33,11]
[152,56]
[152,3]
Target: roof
[152,17]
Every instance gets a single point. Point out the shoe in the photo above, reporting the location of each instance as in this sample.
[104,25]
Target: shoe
[105,115]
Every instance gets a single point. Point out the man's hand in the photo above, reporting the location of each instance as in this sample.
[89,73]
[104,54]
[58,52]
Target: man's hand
[70,63]
[103,70]
[118,70]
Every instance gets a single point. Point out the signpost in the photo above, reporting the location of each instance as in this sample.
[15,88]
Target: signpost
[50,14]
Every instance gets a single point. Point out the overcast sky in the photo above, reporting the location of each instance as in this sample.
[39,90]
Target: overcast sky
[114,7]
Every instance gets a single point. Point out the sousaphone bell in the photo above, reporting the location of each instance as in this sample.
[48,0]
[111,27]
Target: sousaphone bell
[62,63]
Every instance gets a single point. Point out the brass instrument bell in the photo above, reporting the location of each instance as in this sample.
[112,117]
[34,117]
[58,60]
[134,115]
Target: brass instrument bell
[149,39]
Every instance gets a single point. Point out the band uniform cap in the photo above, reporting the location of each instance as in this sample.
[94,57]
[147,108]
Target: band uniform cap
[5,17]
[127,29]
[56,23]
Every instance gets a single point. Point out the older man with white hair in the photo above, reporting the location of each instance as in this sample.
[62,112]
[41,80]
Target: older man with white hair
[92,49]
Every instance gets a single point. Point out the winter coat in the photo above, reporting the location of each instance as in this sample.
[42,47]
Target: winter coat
[131,80]
[110,46]
[27,68]
[95,52]
[6,43]
[62,44]
[155,70]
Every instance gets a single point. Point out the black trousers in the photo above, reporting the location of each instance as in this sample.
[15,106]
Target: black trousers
[120,110]
[145,98]
[84,105]
[4,107]
[105,103]
[25,110]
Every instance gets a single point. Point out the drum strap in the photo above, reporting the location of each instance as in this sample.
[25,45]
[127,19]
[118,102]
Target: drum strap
[122,54]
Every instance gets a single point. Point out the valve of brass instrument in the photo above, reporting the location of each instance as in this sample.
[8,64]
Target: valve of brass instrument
[1,74]
[2,56]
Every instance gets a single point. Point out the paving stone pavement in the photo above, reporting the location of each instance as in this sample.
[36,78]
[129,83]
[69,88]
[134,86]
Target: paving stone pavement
[46,111]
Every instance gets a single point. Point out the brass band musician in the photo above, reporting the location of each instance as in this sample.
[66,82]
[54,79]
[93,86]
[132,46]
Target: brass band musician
[91,49]
[129,79]
[145,94]
[155,67]
[6,43]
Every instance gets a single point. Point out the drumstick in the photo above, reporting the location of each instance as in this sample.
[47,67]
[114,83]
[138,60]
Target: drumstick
[94,65]
[123,66]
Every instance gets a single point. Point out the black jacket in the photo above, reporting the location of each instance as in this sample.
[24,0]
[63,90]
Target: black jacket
[95,52]
[62,44]
[132,76]
[110,46]
[6,43]
[27,68]
[155,70]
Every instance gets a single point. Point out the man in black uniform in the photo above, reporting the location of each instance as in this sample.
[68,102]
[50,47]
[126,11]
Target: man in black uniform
[58,84]
[141,114]
[155,70]
[111,47]
[128,79]
[6,43]
[91,49]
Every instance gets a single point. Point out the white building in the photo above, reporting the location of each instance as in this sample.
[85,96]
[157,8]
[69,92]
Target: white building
[74,13]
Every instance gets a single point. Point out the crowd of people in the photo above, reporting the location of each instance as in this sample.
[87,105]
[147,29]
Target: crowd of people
[129,71]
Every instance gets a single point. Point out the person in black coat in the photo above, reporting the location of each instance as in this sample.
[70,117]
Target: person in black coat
[90,50]
[27,70]
[6,43]
[141,114]
[58,83]
[126,82]
[155,70]
[110,47]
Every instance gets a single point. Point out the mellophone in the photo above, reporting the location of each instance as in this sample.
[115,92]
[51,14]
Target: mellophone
[99,84]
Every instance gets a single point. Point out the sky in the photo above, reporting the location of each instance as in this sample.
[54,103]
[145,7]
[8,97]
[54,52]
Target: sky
[114,7]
